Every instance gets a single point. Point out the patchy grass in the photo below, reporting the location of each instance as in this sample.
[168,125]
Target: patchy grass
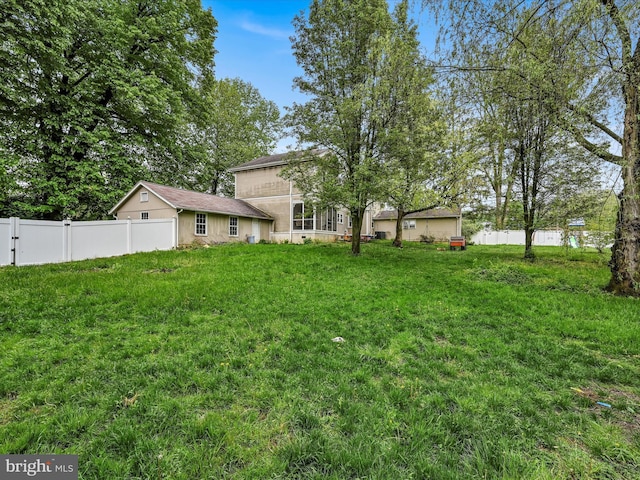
[219,363]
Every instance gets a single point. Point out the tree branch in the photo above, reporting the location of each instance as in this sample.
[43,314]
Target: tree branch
[592,147]
[593,121]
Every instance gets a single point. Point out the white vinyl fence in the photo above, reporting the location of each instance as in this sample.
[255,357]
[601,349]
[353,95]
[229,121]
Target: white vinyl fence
[552,238]
[33,242]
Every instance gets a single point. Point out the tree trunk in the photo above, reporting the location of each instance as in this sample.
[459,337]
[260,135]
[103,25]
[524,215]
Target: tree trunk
[397,242]
[356,230]
[625,252]
[528,243]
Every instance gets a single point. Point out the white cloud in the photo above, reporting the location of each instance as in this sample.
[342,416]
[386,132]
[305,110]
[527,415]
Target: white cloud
[266,31]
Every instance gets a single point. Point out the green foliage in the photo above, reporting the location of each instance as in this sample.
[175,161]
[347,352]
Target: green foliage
[234,124]
[470,228]
[456,365]
[92,93]
[586,75]
[354,55]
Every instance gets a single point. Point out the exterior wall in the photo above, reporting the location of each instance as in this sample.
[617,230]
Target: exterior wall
[439,228]
[133,207]
[265,189]
[261,182]
[278,208]
[218,229]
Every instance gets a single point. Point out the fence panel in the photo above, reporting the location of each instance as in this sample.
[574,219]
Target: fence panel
[6,232]
[517,237]
[149,235]
[39,241]
[98,239]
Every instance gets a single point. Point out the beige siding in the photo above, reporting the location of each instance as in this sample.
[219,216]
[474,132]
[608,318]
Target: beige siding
[217,229]
[133,207]
[439,228]
[261,182]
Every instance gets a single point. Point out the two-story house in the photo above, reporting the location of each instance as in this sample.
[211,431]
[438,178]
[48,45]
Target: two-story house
[259,183]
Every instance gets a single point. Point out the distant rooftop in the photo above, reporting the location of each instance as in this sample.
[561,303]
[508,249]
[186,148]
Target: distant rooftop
[433,213]
[273,160]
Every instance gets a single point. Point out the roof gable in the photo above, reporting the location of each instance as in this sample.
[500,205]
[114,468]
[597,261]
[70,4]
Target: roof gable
[195,201]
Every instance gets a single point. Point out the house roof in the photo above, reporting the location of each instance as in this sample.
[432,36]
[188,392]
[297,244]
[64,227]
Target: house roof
[433,213]
[196,201]
[272,160]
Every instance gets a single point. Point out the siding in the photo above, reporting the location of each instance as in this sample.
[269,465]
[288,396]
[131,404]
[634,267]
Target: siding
[262,182]
[439,228]
[217,229]
[156,207]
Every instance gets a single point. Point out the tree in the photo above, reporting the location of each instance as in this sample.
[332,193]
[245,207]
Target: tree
[235,124]
[343,47]
[600,75]
[92,93]
[417,175]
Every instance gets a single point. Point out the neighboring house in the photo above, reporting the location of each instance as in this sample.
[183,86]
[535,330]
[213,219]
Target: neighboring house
[440,224]
[259,183]
[202,218]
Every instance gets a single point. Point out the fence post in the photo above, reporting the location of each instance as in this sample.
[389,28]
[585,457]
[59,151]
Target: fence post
[14,236]
[129,242]
[66,240]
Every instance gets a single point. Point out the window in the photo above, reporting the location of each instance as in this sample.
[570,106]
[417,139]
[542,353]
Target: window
[302,218]
[349,222]
[144,196]
[233,226]
[144,215]
[328,220]
[201,223]
[340,218]
[409,224]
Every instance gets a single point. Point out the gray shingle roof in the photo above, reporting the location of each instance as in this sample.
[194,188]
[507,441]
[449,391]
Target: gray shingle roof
[434,213]
[271,160]
[201,202]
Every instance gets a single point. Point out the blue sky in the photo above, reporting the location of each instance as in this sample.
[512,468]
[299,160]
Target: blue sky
[253,45]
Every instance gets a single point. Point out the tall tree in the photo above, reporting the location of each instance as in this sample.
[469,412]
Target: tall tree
[414,166]
[597,99]
[341,47]
[92,92]
[235,124]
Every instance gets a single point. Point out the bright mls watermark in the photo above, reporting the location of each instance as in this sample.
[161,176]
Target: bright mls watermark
[46,467]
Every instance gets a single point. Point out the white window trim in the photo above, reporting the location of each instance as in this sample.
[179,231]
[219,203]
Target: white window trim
[142,215]
[144,197]
[206,225]
[340,218]
[408,224]
[237,227]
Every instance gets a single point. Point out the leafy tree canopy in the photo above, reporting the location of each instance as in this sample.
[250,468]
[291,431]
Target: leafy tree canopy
[92,93]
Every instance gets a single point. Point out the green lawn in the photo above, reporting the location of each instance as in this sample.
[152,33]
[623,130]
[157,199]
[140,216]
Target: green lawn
[219,363]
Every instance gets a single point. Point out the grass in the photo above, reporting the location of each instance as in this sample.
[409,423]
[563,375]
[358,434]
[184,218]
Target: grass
[219,363]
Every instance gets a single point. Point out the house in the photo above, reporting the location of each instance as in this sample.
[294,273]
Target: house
[202,218]
[259,183]
[438,224]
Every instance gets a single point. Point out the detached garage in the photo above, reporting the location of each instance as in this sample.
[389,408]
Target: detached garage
[440,224]
[202,218]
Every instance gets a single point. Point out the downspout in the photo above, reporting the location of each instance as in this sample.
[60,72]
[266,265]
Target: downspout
[291,211]
[178,212]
